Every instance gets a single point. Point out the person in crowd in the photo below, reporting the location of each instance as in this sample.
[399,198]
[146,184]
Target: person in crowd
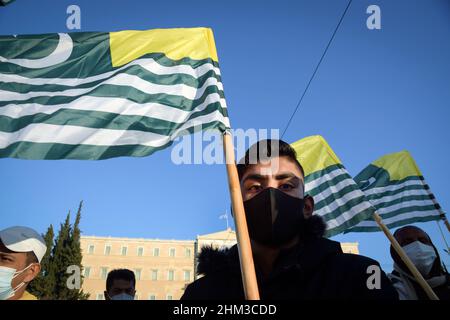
[420,249]
[21,251]
[120,285]
[292,258]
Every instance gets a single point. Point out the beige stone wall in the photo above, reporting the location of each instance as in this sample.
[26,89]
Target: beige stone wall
[97,258]
[164,287]
[350,247]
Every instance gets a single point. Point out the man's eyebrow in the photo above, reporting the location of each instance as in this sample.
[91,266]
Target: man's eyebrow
[255,176]
[280,176]
[286,175]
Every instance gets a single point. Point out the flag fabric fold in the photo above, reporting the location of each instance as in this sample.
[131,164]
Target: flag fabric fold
[397,189]
[337,198]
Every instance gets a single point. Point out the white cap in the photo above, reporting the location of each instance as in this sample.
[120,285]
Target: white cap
[23,239]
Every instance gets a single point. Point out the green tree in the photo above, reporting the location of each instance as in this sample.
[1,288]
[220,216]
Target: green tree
[62,253]
[76,256]
[42,286]
[61,259]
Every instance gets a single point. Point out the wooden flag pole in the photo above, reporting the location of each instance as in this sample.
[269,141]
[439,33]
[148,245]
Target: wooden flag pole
[444,218]
[443,237]
[442,213]
[243,239]
[446,223]
[417,275]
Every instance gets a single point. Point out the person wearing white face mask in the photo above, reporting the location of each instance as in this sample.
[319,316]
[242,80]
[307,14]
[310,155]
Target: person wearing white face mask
[120,285]
[21,251]
[418,247]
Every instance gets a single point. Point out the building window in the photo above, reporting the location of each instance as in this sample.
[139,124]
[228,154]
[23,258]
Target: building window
[138,274]
[107,250]
[103,272]
[91,249]
[172,252]
[100,296]
[156,252]
[170,275]
[140,252]
[152,297]
[87,271]
[154,275]
[187,275]
[169,297]
[124,251]
[187,253]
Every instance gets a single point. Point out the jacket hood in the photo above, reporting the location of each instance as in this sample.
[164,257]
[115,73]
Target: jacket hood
[212,260]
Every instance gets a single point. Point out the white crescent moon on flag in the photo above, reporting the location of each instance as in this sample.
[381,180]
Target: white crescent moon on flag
[367,183]
[61,53]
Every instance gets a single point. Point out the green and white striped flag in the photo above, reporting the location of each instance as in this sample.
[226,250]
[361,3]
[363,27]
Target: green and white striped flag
[99,95]
[336,196]
[397,189]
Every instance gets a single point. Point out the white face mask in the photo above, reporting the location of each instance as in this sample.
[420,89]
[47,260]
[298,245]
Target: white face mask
[122,296]
[6,277]
[422,255]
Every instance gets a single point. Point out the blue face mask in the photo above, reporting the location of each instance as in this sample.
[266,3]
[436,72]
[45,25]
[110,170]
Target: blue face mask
[122,296]
[6,277]
[422,255]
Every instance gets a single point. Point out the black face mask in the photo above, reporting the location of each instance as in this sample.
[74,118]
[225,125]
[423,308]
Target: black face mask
[273,217]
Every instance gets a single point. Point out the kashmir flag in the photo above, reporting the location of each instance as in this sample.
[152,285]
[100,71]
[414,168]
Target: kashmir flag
[396,188]
[97,95]
[337,198]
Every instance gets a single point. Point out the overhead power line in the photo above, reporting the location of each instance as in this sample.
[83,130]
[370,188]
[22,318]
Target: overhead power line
[317,67]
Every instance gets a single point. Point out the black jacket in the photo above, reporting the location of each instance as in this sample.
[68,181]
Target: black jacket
[317,270]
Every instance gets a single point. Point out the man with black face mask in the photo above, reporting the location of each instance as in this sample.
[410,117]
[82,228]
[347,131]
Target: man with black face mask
[418,247]
[292,259]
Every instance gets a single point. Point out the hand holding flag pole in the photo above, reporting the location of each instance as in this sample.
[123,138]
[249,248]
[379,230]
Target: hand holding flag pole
[243,239]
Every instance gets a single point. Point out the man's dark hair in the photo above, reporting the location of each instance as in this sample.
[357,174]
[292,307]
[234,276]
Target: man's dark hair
[263,150]
[31,258]
[120,274]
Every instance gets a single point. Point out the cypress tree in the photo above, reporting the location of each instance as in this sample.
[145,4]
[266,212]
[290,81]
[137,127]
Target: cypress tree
[61,259]
[76,256]
[62,252]
[43,285]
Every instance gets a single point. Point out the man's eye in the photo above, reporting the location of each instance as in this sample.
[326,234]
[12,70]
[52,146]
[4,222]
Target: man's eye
[254,188]
[286,186]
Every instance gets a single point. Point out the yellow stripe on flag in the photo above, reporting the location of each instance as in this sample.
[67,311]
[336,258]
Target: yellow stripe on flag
[400,165]
[194,43]
[314,154]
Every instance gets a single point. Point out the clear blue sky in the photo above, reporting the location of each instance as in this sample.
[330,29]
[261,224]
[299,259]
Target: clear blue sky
[376,92]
